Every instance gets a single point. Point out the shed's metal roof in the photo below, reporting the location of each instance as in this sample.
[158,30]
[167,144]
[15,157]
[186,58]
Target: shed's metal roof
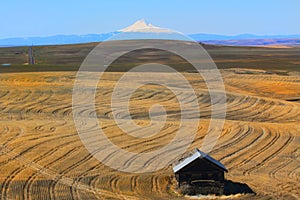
[198,154]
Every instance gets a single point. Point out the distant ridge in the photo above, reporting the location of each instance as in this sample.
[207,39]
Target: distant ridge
[256,42]
[143,26]
[293,40]
[203,37]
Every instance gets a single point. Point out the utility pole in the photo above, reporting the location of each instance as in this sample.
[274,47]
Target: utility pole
[30,55]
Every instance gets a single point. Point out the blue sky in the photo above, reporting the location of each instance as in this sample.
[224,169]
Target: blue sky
[229,17]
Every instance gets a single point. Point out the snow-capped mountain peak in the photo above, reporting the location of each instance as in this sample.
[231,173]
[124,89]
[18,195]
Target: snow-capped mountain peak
[142,26]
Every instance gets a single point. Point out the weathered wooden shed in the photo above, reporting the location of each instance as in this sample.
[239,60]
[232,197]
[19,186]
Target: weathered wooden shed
[198,173]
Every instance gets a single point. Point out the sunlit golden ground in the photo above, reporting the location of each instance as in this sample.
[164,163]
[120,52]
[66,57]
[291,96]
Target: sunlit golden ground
[42,156]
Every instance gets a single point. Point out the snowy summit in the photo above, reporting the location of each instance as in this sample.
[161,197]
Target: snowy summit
[142,26]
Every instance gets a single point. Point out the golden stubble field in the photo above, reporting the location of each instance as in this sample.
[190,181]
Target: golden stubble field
[42,156]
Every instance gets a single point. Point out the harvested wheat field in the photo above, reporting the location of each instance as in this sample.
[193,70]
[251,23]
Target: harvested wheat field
[42,156]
